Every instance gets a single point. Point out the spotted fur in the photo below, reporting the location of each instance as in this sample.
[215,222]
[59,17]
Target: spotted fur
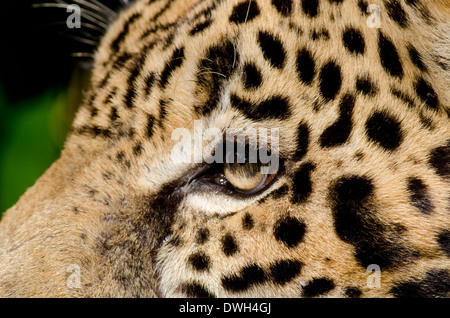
[363,115]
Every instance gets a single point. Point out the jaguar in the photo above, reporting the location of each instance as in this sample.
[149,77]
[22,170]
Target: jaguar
[324,133]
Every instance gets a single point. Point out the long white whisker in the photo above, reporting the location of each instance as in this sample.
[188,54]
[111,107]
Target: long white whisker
[109,15]
[103,20]
[83,25]
[86,14]
[83,55]
[104,7]
[82,40]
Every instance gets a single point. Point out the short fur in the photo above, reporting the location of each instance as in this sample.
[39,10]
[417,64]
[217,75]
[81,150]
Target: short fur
[364,138]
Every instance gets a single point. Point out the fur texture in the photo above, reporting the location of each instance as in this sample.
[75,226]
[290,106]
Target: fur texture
[363,117]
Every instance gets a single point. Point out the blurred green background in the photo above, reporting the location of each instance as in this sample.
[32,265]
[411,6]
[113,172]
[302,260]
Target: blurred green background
[32,135]
[41,87]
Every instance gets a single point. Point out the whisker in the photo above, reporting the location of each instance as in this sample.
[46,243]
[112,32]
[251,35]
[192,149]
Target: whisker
[83,25]
[104,7]
[83,55]
[211,72]
[107,13]
[81,39]
[85,13]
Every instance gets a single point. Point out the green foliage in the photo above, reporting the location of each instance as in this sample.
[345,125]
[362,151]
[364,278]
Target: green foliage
[32,135]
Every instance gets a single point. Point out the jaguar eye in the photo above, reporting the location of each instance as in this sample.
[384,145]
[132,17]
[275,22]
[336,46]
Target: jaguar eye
[245,175]
[238,171]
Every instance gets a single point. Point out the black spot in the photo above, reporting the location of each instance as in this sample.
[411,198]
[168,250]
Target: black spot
[131,89]
[199,27]
[321,34]
[94,111]
[353,190]
[389,57]
[120,156]
[129,132]
[116,43]
[149,81]
[244,12]
[110,96]
[93,131]
[118,63]
[416,58]
[412,2]
[426,121]
[280,192]
[163,9]
[353,41]
[249,276]
[330,80]
[247,222]
[199,261]
[252,77]
[336,1]
[426,93]
[440,160]
[436,284]
[276,107]
[318,286]
[396,13]
[362,5]
[419,196]
[339,132]
[306,67]
[310,7]
[302,141]
[150,125]
[285,270]
[353,292]
[443,240]
[365,86]
[175,62]
[229,246]
[196,290]
[219,64]
[284,7]
[272,49]
[289,231]
[355,222]
[202,236]
[114,115]
[137,149]
[162,111]
[384,130]
[403,97]
[421,9]
[359,155]
[302,185]
[175,240]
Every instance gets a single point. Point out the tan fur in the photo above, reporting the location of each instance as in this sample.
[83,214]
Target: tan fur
[91,210]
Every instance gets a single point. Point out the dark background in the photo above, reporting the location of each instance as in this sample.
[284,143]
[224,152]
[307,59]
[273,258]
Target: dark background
[41,85]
